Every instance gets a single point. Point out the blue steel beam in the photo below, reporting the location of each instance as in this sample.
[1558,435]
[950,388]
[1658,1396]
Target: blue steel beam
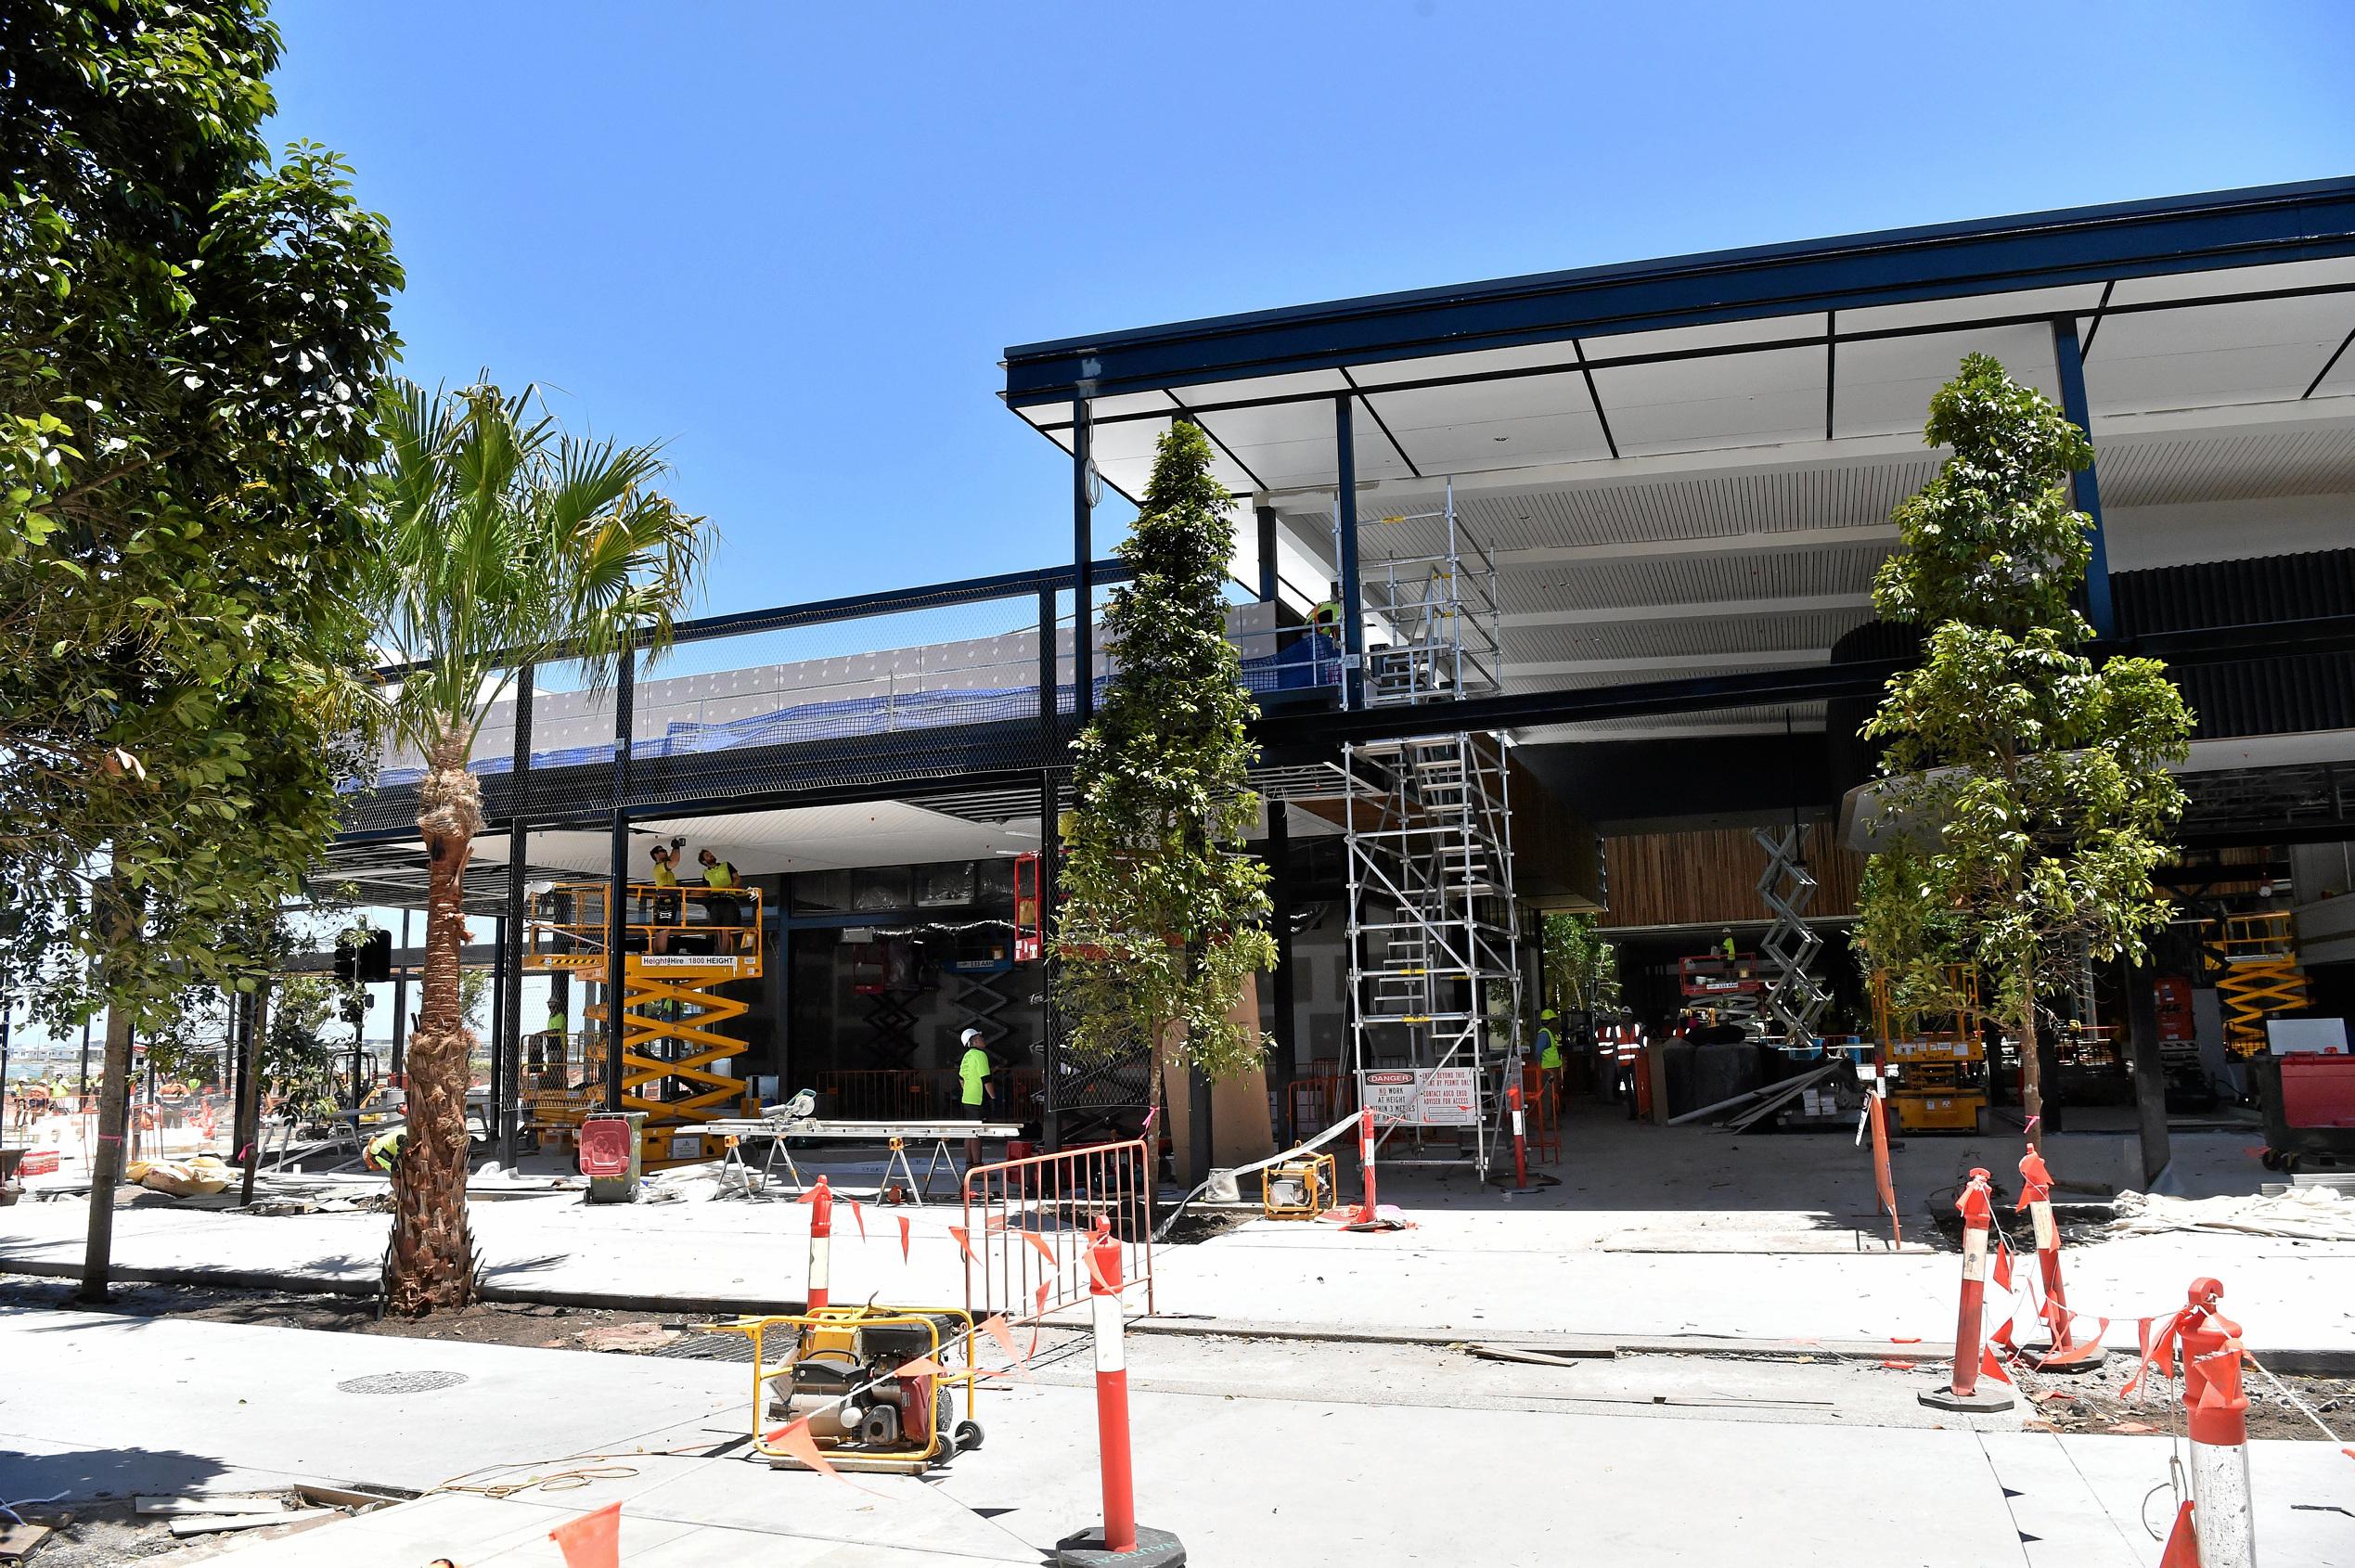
[2271,224]
[2085,488]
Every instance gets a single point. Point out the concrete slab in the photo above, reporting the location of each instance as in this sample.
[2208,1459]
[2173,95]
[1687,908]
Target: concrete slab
[142,1398]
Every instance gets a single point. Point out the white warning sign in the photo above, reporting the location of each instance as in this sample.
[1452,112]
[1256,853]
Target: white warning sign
[1420,1097]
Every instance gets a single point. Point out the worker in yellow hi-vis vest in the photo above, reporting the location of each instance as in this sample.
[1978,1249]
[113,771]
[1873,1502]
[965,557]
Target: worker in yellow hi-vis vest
[973,1088]
[1549,1061]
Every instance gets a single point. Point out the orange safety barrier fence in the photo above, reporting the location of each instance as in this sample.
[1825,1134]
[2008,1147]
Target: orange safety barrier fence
[1029,1222]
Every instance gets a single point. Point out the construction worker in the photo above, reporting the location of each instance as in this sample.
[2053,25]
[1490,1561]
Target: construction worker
[1324,621]
[383,1151]
[1549,1061]
[972,1073]
[1725,945]
[718,875]
[663,906]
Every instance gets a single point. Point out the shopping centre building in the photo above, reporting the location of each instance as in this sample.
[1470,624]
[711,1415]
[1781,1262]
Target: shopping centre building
[1603,542]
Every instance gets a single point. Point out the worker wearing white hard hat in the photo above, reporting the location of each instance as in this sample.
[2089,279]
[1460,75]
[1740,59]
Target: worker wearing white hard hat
[972,1073]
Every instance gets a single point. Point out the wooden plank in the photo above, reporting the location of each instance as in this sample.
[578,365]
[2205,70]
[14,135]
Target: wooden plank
[213,1524]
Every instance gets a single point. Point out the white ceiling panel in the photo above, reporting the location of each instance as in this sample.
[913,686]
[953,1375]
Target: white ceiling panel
[1884,384]
[1307,383]
[1495,424]
[1696,405]
[2075,300]
[1721,335]
[2233,280]
[1479,362]
[1287,443]
[2262,351]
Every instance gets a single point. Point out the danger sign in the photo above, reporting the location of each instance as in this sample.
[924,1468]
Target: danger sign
[1420,1097]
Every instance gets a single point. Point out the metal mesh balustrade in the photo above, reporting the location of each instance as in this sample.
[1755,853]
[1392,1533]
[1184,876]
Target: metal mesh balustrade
[930,691]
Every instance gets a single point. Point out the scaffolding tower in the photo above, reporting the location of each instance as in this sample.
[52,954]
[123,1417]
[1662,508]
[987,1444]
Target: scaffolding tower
[1435,930]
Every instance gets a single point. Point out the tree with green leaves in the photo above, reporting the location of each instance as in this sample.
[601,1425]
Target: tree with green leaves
[1163,916]
[1582,967]
[190,333]
[2025,799]
[508,544]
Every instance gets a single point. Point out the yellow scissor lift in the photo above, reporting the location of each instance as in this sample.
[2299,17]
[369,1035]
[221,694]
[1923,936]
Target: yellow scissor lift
[2259,977]
[680,945]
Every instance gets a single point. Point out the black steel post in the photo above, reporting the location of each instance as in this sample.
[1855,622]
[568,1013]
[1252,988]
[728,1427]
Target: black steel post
[1284,1054]
[257,1027]
[401,1002]
[1353,628]
[2150,1072]
[1083,550]
[1050,1046]
[618,888]
[498,1032]
[1266,517]
[508,1069]
[2069,359]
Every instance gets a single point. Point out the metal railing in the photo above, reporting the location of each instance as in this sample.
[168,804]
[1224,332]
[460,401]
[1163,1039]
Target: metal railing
[1029,1222]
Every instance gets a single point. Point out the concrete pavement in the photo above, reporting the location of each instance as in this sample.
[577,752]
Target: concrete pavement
[1301,1454]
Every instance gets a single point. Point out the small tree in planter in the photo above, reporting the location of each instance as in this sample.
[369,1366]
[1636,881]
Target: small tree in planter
[1163,917]
[2028,788]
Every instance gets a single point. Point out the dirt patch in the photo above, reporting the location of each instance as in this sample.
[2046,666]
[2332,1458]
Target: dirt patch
[2094,1402]
[546,1328]
[97,1533]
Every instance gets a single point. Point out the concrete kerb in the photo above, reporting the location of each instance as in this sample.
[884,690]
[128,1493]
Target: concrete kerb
[2306,1362]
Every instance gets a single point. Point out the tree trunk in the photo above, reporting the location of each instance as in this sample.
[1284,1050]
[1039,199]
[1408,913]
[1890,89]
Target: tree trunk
[2031,1074]
[106,1159]
[431,1265]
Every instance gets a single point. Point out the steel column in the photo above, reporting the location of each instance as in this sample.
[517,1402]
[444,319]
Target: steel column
[2069,360]
[508,1069]
[401,1002]
[617,892]
[1284,1059]
[1051,1050]
[1265,518]
[1353,629]
[1083,564]
[2150,1072]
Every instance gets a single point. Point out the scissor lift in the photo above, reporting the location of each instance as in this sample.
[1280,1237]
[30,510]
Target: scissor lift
[681,946]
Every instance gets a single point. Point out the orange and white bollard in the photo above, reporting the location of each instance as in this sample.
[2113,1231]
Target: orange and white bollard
[1970,1357]
[821,1244]
[1120,1539]
[2216,1418]
[1370,1212]
[2064,1354]
[1520,1138]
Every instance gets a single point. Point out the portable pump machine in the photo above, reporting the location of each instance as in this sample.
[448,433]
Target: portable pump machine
[844,1369]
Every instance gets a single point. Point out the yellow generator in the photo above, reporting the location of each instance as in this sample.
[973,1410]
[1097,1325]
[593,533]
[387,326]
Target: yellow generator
[1937,1060]
[875,1385]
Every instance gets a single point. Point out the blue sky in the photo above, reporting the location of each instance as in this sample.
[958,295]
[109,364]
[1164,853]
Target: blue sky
[791,240]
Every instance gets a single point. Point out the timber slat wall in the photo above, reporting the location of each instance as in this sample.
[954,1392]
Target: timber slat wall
[1710,877]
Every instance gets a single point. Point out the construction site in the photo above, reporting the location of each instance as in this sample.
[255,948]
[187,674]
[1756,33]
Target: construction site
[1554,596]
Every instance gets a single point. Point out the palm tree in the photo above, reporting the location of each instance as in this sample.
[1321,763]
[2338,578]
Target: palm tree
[508,543]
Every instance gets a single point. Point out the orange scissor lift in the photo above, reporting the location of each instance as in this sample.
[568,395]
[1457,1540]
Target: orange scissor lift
[681,945]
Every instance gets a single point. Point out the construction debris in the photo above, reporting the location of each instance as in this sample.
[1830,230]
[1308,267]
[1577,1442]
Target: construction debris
[2309,1213]
[215,1524]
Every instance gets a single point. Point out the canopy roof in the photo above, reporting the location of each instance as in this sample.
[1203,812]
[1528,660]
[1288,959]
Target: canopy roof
[1687,465]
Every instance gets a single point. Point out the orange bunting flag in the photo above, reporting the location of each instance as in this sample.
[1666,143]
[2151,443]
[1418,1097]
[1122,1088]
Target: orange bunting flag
[858,1213]
[995,1327]
[1992,1367]
[1038,1244]
[922,1367]
[2084,1350]
[1038,1299]
[2182,1542]
[964,1242]
[903,1238]
[801,1447]
[594,1540]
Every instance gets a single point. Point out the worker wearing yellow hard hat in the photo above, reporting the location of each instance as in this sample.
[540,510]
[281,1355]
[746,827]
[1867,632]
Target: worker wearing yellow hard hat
[1549,1060]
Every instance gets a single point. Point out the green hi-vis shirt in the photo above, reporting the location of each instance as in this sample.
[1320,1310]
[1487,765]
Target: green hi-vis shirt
[974,1070]
[1549,1049]
[719,875]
